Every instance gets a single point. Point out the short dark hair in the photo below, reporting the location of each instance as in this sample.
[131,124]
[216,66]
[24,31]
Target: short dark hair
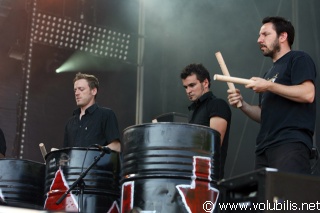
[91,79]
[199,70]
[281,25]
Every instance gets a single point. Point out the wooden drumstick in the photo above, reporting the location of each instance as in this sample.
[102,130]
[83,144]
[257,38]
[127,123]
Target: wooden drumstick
[232,79]
[43,150]
[225,72]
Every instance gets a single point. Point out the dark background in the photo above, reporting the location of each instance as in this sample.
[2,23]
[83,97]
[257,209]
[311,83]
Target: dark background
[177,33]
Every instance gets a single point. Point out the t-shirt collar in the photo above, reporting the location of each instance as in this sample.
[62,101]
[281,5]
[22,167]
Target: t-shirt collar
[196,103]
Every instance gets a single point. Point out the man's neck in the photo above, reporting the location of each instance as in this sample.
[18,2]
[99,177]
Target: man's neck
[281,53]
[205,91]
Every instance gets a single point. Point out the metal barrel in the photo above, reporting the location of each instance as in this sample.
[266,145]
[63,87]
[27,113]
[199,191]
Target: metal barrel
[169,167]
[98,192]
[22,183]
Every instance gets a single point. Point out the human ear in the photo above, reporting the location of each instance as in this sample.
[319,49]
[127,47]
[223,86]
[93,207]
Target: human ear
[283,36]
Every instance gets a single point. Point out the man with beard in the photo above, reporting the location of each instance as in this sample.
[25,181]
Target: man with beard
[90,123]
[287,105]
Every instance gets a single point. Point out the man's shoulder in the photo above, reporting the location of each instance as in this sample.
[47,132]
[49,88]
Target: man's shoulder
[104,111]
[219,107]
[218,104]
[297,56]
[217,100]
[298,53]
[293,56]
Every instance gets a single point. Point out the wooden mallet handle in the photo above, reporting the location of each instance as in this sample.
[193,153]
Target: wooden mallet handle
[232,79]
[225,72]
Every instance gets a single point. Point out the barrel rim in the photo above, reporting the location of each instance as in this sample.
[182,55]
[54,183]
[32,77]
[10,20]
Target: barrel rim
[170,124]
[74,148]
[21,160]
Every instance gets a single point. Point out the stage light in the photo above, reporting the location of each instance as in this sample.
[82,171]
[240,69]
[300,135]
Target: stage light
[71,34]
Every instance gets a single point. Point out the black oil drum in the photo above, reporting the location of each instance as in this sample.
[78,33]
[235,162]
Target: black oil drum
[100,188]
[170,167]
[22,183]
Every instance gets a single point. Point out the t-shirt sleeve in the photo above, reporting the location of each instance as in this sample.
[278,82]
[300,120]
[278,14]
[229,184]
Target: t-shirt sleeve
[220,108]
[303,68]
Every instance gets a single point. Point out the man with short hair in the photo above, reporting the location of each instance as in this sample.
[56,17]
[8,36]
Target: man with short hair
[90,123]
[206,108]
[287,103]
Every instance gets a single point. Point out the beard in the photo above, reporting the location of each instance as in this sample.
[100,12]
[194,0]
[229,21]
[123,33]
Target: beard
[274,48]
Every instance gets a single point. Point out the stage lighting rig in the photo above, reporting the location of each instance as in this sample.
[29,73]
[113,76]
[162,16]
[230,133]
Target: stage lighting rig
[76,35]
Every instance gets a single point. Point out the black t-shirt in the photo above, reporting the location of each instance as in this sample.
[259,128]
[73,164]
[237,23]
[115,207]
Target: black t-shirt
[283,120]
[206,107]
[98,125]
[3,146]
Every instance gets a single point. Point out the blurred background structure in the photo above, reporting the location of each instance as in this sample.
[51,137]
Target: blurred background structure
[137,49]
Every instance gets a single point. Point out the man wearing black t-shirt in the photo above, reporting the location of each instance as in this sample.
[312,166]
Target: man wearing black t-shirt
[207,109]
[90,123]
[287,104]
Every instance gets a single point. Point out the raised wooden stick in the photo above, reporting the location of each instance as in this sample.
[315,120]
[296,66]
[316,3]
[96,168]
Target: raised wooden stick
[43,151]
[232,79]
[225,72]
